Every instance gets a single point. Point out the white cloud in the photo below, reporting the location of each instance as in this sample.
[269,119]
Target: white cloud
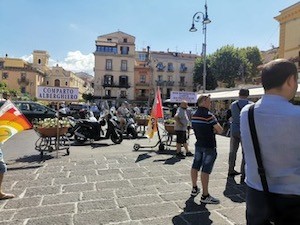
[78,62]
[75,62]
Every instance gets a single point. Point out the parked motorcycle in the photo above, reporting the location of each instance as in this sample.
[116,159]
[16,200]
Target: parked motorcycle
[130,127]
[88,130]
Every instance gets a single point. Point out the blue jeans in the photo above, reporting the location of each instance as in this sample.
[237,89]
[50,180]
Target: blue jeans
[205,158]
[3,167]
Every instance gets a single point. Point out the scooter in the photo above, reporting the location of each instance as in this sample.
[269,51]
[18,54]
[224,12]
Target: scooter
[130,126]
[89,130]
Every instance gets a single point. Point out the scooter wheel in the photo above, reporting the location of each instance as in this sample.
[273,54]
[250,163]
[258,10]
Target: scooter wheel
[136,147]
[161,147]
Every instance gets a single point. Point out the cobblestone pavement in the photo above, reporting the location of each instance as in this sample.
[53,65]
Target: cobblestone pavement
[104,183]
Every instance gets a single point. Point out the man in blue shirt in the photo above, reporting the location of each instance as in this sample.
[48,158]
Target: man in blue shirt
[205,126]
[277,123]
[235,136]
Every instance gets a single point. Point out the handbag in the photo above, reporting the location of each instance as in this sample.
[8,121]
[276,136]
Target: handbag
[290,216]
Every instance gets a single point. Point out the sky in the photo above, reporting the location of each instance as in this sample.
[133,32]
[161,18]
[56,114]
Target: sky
[67,29]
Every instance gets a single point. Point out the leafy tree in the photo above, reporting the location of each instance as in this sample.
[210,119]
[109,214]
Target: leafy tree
[87,97]
[226,63]
[211,81]
[254,59]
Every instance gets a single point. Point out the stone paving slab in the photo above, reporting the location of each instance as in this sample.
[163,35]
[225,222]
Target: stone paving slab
[116,185]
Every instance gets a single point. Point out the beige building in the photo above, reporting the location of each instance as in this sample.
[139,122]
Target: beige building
[143,77]
[172,71]
[20,75]
[114,66]
[289,39]
[57,76]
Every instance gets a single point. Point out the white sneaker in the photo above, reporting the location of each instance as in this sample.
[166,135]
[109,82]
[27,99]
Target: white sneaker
[209,200]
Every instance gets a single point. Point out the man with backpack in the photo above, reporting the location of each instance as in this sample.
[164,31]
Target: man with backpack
[235,136]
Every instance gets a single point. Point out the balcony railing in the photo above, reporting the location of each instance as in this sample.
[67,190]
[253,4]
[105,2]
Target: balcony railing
[169,83]
[182,83]
[113,84]
[142,84]
[160,82]
[23,81]
[141,98]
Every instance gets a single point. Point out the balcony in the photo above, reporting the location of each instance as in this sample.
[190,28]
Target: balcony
[141,98]
[183,69]
[160,82]
[115,85]
[143,84]
[23,81]
[182,83]
[169,83]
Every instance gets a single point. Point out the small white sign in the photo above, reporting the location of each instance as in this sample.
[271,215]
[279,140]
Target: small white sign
[179,96]
[57,93]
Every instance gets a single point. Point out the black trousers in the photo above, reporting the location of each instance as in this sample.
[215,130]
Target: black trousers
[258,210]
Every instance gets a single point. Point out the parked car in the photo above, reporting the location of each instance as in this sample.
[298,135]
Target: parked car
[33,110]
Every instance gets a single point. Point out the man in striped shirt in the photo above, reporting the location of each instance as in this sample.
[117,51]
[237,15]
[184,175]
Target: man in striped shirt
[205,126]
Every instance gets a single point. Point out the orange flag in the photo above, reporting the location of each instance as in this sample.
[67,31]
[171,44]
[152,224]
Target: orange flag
[156,112]
[12,121]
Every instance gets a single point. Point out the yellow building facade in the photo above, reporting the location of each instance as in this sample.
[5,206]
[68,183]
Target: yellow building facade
[289,37]
[20,75]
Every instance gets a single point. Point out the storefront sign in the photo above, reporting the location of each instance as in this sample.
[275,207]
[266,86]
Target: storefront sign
[179,96]
[57,93]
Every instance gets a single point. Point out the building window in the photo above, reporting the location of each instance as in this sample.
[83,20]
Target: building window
[183,68]
[143,78]
[124,50]
[66,83]
[169,78]
[125,40]
[108,79]
[23,90]
[123,65]
[108,39]
[108,64]
[182,79]
[108,93]
[123,94]
[160,78]
[57,83]
[1,64]
[39,61]
[123,80]
[142,57]
[107,49]
[142,93]
[160,66]
[47,82]
[169,92]
[4,75]
[170,67]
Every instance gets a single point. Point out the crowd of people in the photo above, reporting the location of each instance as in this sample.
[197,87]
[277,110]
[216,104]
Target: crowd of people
[268,133]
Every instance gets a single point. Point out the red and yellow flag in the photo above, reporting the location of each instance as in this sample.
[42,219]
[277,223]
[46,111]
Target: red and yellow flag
[12,121]
[156,112]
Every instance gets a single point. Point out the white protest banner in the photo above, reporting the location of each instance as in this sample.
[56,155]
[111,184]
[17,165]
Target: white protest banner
[57,93]
[179,96]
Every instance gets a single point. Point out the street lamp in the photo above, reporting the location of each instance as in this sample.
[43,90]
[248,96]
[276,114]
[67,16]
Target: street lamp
[205,21]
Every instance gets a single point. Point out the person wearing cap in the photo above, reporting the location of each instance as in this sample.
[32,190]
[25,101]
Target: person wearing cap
[181,126]
[235,136]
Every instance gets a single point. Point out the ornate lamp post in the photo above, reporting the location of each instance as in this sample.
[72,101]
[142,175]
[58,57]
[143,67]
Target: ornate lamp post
[205,21]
